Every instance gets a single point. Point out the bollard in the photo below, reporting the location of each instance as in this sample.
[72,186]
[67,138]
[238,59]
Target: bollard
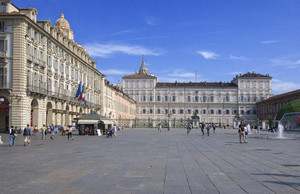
[1,142]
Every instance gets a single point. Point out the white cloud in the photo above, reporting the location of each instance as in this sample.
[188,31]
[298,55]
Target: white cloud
[208,54]
[238,58]
[116,72]
[291,64]
[234,73]
[186,75]
[269,41]
[280,86]
[106,50]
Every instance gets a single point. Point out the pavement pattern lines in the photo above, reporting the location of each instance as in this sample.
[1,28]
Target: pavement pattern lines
[145,161]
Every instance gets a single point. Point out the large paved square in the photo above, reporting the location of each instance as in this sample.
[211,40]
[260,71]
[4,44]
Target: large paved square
[145,161]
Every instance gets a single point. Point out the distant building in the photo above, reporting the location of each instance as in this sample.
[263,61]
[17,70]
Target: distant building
[214,102]
[271,106]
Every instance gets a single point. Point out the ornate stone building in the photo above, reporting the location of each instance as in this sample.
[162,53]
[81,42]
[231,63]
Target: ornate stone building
[41,67]
[214,102]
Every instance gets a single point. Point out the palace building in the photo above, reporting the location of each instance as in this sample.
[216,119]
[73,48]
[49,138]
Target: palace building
[41,67]
[213,102]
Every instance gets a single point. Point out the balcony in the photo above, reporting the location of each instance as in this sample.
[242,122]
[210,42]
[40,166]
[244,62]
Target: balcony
[41,89]
[5,85]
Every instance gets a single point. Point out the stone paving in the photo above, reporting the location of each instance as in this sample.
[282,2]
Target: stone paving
[145,161]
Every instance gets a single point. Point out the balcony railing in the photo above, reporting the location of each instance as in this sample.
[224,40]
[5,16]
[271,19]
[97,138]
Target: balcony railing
[41,89]
[5,85]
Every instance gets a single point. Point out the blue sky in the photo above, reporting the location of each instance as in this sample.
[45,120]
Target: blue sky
[215,38]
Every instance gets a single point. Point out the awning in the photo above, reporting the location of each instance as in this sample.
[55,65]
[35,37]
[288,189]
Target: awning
[107,122]
[89,122]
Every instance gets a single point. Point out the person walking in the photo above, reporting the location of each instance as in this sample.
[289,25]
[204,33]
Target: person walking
[202,128]
[246,132]
[115,130]
[159,128]
[214,127]
[12,135]
[43,129]
[27,135]
[70,133]
[189,128]
[242,132]
[207,128]
[52,132]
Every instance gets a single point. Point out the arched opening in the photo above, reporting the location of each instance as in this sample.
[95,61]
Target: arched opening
[67,116]
[4,114]
[49,114]
[34,113]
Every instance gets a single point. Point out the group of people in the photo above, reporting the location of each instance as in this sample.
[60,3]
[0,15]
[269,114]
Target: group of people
[30,130]
[243,132]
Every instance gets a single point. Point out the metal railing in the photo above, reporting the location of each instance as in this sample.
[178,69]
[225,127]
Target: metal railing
[41,89]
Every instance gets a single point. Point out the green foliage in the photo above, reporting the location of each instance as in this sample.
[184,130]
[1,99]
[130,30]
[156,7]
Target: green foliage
[293,106]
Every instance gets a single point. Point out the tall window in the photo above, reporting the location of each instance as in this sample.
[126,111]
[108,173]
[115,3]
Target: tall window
[189,111]
[3,7]
[2,26]
[219,112]
[150,111]
[212,112]
[189,98]
[144,98]
[158,111]
[227,98]
[196,98]
[174,98]
[181,111]
[150,98]
[211,98]
[196,111]
[3,45]
[204,98]
[173,111]
[166,98]
[158,98]
[2,76]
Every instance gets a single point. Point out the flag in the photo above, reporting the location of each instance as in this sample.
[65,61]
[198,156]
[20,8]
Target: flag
[82,93]
[78,91]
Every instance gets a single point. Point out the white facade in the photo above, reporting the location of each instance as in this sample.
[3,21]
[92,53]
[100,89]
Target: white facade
[214,102]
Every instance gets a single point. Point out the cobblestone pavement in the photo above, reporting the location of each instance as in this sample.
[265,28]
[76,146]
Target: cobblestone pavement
[145,161]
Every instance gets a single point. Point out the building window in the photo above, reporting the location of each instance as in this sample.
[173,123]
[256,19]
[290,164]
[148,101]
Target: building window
[2,26]
[3,7]
[189,98]
[189,111]
[2,76]
[196,98]
[173,111]
[242,98]
[242,111]
[158,98]
[158,111]
[174,98]
[144,111]
[150,111]
[212,112]
[248,112]
[181,111]
[235,112]
[3,45]
[227,112]
[150,99]
[204,98]
[166,98]
[166,111]
[219,112]
[211,98]
[196,112]
[204,111]
[144,98]
[254,111]
[227,98]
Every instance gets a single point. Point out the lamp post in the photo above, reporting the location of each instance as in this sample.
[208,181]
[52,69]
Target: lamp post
[168,114]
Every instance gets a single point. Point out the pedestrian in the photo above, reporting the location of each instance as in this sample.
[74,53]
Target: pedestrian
[242,132]
[27,135]
[207,128]
[202,128]
[35,129]
[52,132]
[70,133]
[159,128]
[115,130]
[12,135]
[43,129]
[214,127]
[189,128]
[246,132]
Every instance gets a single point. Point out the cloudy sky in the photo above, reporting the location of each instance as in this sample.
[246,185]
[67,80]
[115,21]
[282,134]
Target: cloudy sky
[186,40]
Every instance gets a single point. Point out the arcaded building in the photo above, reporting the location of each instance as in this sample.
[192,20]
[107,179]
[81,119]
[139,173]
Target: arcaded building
[41,67]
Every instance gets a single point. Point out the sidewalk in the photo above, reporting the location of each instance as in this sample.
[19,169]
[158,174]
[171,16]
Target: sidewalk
[145,161]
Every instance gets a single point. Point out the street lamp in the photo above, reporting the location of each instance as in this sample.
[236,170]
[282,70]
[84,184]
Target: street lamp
[168,114]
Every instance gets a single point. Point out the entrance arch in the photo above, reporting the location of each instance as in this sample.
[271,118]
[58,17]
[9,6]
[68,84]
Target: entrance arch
[4,114]
[49,114]
[34,113]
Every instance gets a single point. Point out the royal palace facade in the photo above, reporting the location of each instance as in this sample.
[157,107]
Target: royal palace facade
[41,67]
[213,102]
